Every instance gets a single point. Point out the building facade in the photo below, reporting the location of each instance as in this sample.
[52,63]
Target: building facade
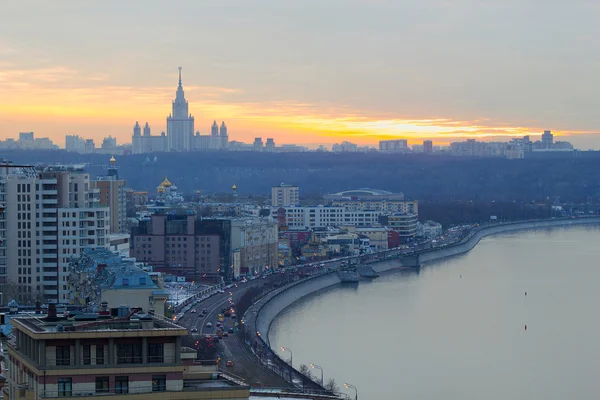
[180,123]
[385,206]
[322,216]
[112,194]
[180,135]
[405,224]
[285,195]
[257,241]
[183,245]
[394,146]
[117,353]
[49,216]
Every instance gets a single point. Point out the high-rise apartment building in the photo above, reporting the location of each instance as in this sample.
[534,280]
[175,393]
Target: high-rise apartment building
[285,195]
[399,146]
[48,216]
[547,139]
[113,195]
[427,146]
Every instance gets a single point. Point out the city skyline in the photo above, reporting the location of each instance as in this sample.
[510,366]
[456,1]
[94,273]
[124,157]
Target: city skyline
[461,75]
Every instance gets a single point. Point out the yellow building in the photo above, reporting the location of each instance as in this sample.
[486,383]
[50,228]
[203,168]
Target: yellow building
[127,356]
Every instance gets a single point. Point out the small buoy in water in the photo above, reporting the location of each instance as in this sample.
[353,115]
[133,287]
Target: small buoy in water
[525,293]
[460,276]
[525,327]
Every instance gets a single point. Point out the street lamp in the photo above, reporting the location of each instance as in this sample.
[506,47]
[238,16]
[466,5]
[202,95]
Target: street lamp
[291,355]
[348,386]
[317,367]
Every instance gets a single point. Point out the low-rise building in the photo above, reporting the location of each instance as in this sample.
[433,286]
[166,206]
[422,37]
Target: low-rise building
[404,224]
[322,216]
[384,206]
[429,229]
[118,353]
[378,236]
[100,275]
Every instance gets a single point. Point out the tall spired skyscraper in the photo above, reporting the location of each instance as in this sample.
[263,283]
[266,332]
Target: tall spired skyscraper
[180,124]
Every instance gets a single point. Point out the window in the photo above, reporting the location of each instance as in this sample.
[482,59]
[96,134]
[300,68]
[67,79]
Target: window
[87,354]
[102,385]
[129,353]
[159,383]
[99,354]
[121,384]
[156,352]
[63,355]
[65,387]
[125,281]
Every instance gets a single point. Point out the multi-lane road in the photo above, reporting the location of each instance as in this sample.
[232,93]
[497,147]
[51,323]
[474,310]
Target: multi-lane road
[232,348]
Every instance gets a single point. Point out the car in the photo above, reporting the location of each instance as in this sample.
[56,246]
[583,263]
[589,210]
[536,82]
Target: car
[225,334]
[229,363]
[209,324]
[230,330]
[194,330]
[233,316]
[193,311]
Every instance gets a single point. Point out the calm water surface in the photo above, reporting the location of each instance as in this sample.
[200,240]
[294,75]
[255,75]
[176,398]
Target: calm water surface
[456,330]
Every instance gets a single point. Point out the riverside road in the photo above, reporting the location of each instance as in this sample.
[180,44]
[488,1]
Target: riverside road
[233,348]
[246,364]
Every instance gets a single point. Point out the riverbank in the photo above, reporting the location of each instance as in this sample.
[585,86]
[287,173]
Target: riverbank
[276,302]
[262,314]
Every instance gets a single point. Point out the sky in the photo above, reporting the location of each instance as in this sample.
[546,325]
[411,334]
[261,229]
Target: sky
[308,72]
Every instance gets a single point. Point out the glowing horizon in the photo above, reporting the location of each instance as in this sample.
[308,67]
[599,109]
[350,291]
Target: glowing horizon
[119,107]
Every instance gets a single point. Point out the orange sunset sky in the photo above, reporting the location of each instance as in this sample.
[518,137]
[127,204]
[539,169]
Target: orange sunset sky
[319,72]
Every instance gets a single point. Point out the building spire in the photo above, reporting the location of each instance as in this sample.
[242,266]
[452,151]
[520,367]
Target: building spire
[179,76]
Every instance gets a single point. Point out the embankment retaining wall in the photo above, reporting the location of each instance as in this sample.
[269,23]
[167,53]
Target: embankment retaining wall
[274,305]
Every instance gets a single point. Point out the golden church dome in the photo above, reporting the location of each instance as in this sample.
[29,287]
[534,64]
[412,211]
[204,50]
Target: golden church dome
[166,183]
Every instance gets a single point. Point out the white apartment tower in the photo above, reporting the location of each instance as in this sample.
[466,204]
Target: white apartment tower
[180,124]
[48,217]
[285,196]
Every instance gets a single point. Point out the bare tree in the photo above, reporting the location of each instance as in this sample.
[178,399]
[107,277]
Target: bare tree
[332,386]
[304,370]
[10,291]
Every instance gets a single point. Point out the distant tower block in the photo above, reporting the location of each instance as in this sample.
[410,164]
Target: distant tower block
[198,197]
[234,189]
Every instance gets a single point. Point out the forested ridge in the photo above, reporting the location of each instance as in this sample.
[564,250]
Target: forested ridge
[422,177]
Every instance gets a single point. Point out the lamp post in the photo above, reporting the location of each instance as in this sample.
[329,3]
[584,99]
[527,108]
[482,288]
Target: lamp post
[348,386]
[320,368]
[291,355]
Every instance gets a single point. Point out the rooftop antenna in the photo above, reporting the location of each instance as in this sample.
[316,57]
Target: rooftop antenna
[179,76]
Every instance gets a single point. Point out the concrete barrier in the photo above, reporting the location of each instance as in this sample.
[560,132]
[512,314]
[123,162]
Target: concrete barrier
[274,303]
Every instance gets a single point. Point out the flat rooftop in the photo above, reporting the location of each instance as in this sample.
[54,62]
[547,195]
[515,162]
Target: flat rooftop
[95,325]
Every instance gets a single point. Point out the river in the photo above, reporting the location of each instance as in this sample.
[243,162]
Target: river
[456,330]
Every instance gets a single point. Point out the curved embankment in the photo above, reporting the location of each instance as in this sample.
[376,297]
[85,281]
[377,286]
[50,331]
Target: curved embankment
[274,303]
